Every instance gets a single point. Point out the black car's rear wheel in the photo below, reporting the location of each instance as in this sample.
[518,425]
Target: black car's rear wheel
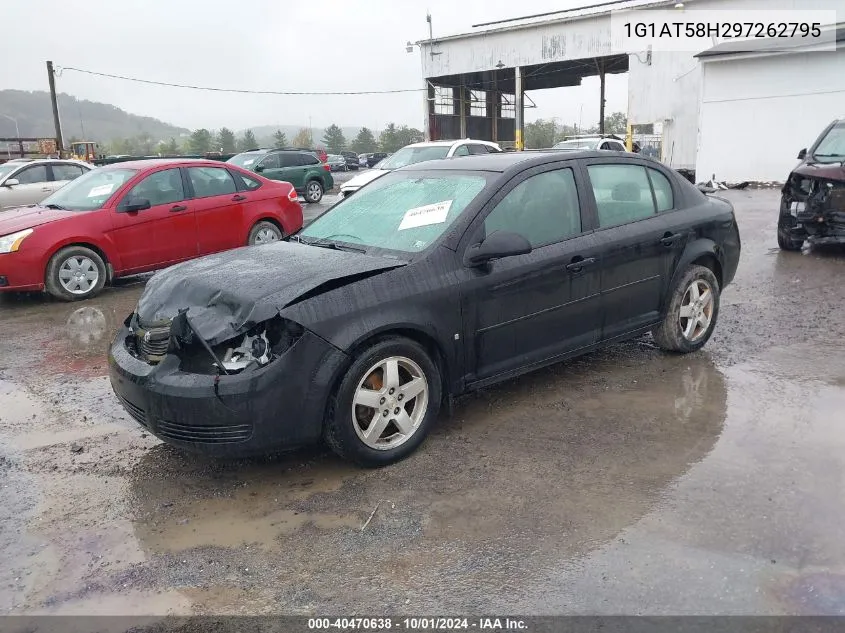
[787,239]
[385,404]
[691,313]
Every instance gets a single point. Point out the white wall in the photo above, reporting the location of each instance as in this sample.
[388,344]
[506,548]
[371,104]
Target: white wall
[667,92]
[756,113]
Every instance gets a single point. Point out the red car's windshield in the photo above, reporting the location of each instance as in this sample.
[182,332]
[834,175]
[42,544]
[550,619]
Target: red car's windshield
[90,191]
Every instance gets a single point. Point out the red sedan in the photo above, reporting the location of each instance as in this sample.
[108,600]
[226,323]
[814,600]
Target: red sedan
[139,216]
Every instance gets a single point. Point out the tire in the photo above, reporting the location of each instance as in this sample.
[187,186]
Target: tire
[786,240]
[348,423]
[75,273]
[677,333]
[313,191]
[264,232]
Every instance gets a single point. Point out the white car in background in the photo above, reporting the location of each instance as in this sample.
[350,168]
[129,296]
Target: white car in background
[611,143]
[24,181]
[417,153]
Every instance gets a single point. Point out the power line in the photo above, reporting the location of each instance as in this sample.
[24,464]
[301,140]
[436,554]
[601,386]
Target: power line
[239,90]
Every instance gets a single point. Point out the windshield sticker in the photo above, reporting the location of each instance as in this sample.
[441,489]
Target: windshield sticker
[423,216]
[249,162]
[102,190]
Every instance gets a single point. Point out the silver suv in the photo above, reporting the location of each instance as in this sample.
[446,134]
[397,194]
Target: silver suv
[24,182]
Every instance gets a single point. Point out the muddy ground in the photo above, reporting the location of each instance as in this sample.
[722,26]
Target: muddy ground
[628,481]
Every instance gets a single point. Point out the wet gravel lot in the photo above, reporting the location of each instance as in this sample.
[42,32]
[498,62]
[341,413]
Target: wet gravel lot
[627,481]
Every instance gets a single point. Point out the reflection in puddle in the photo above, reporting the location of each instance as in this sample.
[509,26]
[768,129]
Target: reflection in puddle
[87,325]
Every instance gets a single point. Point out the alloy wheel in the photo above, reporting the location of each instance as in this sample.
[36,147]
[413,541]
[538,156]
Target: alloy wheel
[390,403]
[314,191]
[696,312]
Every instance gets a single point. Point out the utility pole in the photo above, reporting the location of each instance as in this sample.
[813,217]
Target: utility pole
[51,77]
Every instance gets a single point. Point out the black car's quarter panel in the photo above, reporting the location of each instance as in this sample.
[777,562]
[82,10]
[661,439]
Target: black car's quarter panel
[523,310]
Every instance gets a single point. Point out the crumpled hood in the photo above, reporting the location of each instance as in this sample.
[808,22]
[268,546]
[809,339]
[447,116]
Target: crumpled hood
[361,180]
[16,219]
[828,171]
[228,292]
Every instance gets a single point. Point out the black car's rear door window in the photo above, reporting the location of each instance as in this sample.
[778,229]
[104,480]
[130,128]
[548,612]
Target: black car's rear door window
[543,208]
[622,193]
[662,191]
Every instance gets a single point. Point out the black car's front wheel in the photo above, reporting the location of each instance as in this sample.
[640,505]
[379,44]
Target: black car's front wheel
[313,191]
[385,403]
[691,312]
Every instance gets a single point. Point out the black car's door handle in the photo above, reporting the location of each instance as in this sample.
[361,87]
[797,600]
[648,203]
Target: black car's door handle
[238,198]
[579,263]
[668,239]
[178,207]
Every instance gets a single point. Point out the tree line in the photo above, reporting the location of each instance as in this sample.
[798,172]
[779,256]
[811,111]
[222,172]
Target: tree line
[538,134]
[225,141]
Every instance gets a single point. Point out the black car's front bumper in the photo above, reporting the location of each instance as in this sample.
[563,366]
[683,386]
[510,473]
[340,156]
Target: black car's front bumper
[277,406]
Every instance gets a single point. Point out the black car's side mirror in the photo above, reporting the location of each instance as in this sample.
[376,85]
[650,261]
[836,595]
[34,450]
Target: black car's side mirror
[802,154]
[495,246]
[260,168]
[135,204]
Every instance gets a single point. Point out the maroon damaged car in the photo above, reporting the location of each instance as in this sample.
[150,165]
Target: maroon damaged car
[812,207]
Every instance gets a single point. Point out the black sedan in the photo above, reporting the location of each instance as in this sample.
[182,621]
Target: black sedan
[431,281]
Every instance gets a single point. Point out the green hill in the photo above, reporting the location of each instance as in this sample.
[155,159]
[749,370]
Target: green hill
[101,121]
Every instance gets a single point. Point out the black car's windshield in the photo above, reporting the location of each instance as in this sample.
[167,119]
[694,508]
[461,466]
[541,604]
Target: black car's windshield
[412,155]
[246,160]
[402,211]
[90,191]
[832,147]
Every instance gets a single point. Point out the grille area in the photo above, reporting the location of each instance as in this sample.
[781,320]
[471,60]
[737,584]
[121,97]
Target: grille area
[214,434]
[134,410]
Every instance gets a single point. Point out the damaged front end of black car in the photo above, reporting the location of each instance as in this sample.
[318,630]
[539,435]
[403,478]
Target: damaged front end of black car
[812,205]
[223,371]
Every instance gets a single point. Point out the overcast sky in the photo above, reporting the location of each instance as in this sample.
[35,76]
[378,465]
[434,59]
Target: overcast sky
[293,45]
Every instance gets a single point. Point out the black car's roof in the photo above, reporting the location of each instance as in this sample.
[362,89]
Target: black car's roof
[502,161]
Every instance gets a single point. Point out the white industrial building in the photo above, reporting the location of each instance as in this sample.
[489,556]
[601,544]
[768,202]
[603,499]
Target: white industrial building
[735,110]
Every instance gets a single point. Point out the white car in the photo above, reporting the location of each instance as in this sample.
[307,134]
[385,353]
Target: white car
[611,143]
[24,182]
[417,153]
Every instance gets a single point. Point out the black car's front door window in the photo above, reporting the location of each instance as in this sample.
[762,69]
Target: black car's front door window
[543,209]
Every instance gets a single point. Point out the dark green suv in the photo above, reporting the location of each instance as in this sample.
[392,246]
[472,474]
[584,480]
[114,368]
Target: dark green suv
[302,169]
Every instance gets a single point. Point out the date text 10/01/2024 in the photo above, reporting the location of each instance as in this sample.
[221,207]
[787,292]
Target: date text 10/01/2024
[422,623]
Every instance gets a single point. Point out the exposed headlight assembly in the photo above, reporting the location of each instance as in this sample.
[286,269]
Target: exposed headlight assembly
[258,347]
[11,243]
